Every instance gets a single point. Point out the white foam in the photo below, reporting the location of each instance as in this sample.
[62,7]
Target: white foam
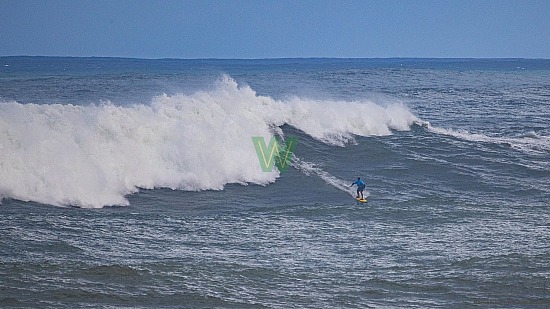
[531,142]
[309,168]
[336,122]
[92,156]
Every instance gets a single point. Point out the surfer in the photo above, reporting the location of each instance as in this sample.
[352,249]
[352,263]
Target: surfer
[360,187]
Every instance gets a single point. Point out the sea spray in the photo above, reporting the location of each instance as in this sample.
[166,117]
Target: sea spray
[309,168]
[95,155]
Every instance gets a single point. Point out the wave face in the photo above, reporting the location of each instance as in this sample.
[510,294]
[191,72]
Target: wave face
[95,155]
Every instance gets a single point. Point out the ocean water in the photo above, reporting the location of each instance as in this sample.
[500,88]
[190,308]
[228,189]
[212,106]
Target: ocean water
[135,183]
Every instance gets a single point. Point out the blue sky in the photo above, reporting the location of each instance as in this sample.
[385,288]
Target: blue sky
[274,29]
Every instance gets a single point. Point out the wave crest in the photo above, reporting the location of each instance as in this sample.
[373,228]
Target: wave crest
[93,156]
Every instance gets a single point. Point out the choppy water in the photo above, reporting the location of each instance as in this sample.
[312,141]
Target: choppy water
[455,154]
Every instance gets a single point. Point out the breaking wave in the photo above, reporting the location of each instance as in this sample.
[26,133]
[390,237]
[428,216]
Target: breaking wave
[530,143]
[95,155]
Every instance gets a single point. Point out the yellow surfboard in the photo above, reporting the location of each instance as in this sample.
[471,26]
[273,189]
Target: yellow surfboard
[362,200]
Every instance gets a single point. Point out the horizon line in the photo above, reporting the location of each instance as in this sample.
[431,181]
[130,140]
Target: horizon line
[279,58]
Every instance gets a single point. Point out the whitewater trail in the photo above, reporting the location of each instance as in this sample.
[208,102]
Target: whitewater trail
[309,168]
[530,143]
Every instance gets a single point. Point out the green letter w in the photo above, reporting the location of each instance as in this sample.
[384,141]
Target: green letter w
[266,153]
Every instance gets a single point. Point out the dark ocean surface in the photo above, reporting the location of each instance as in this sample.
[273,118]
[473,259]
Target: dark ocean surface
[135,183]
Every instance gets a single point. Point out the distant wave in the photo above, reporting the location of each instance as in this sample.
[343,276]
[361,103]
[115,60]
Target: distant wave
[93,156]
[531,142]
